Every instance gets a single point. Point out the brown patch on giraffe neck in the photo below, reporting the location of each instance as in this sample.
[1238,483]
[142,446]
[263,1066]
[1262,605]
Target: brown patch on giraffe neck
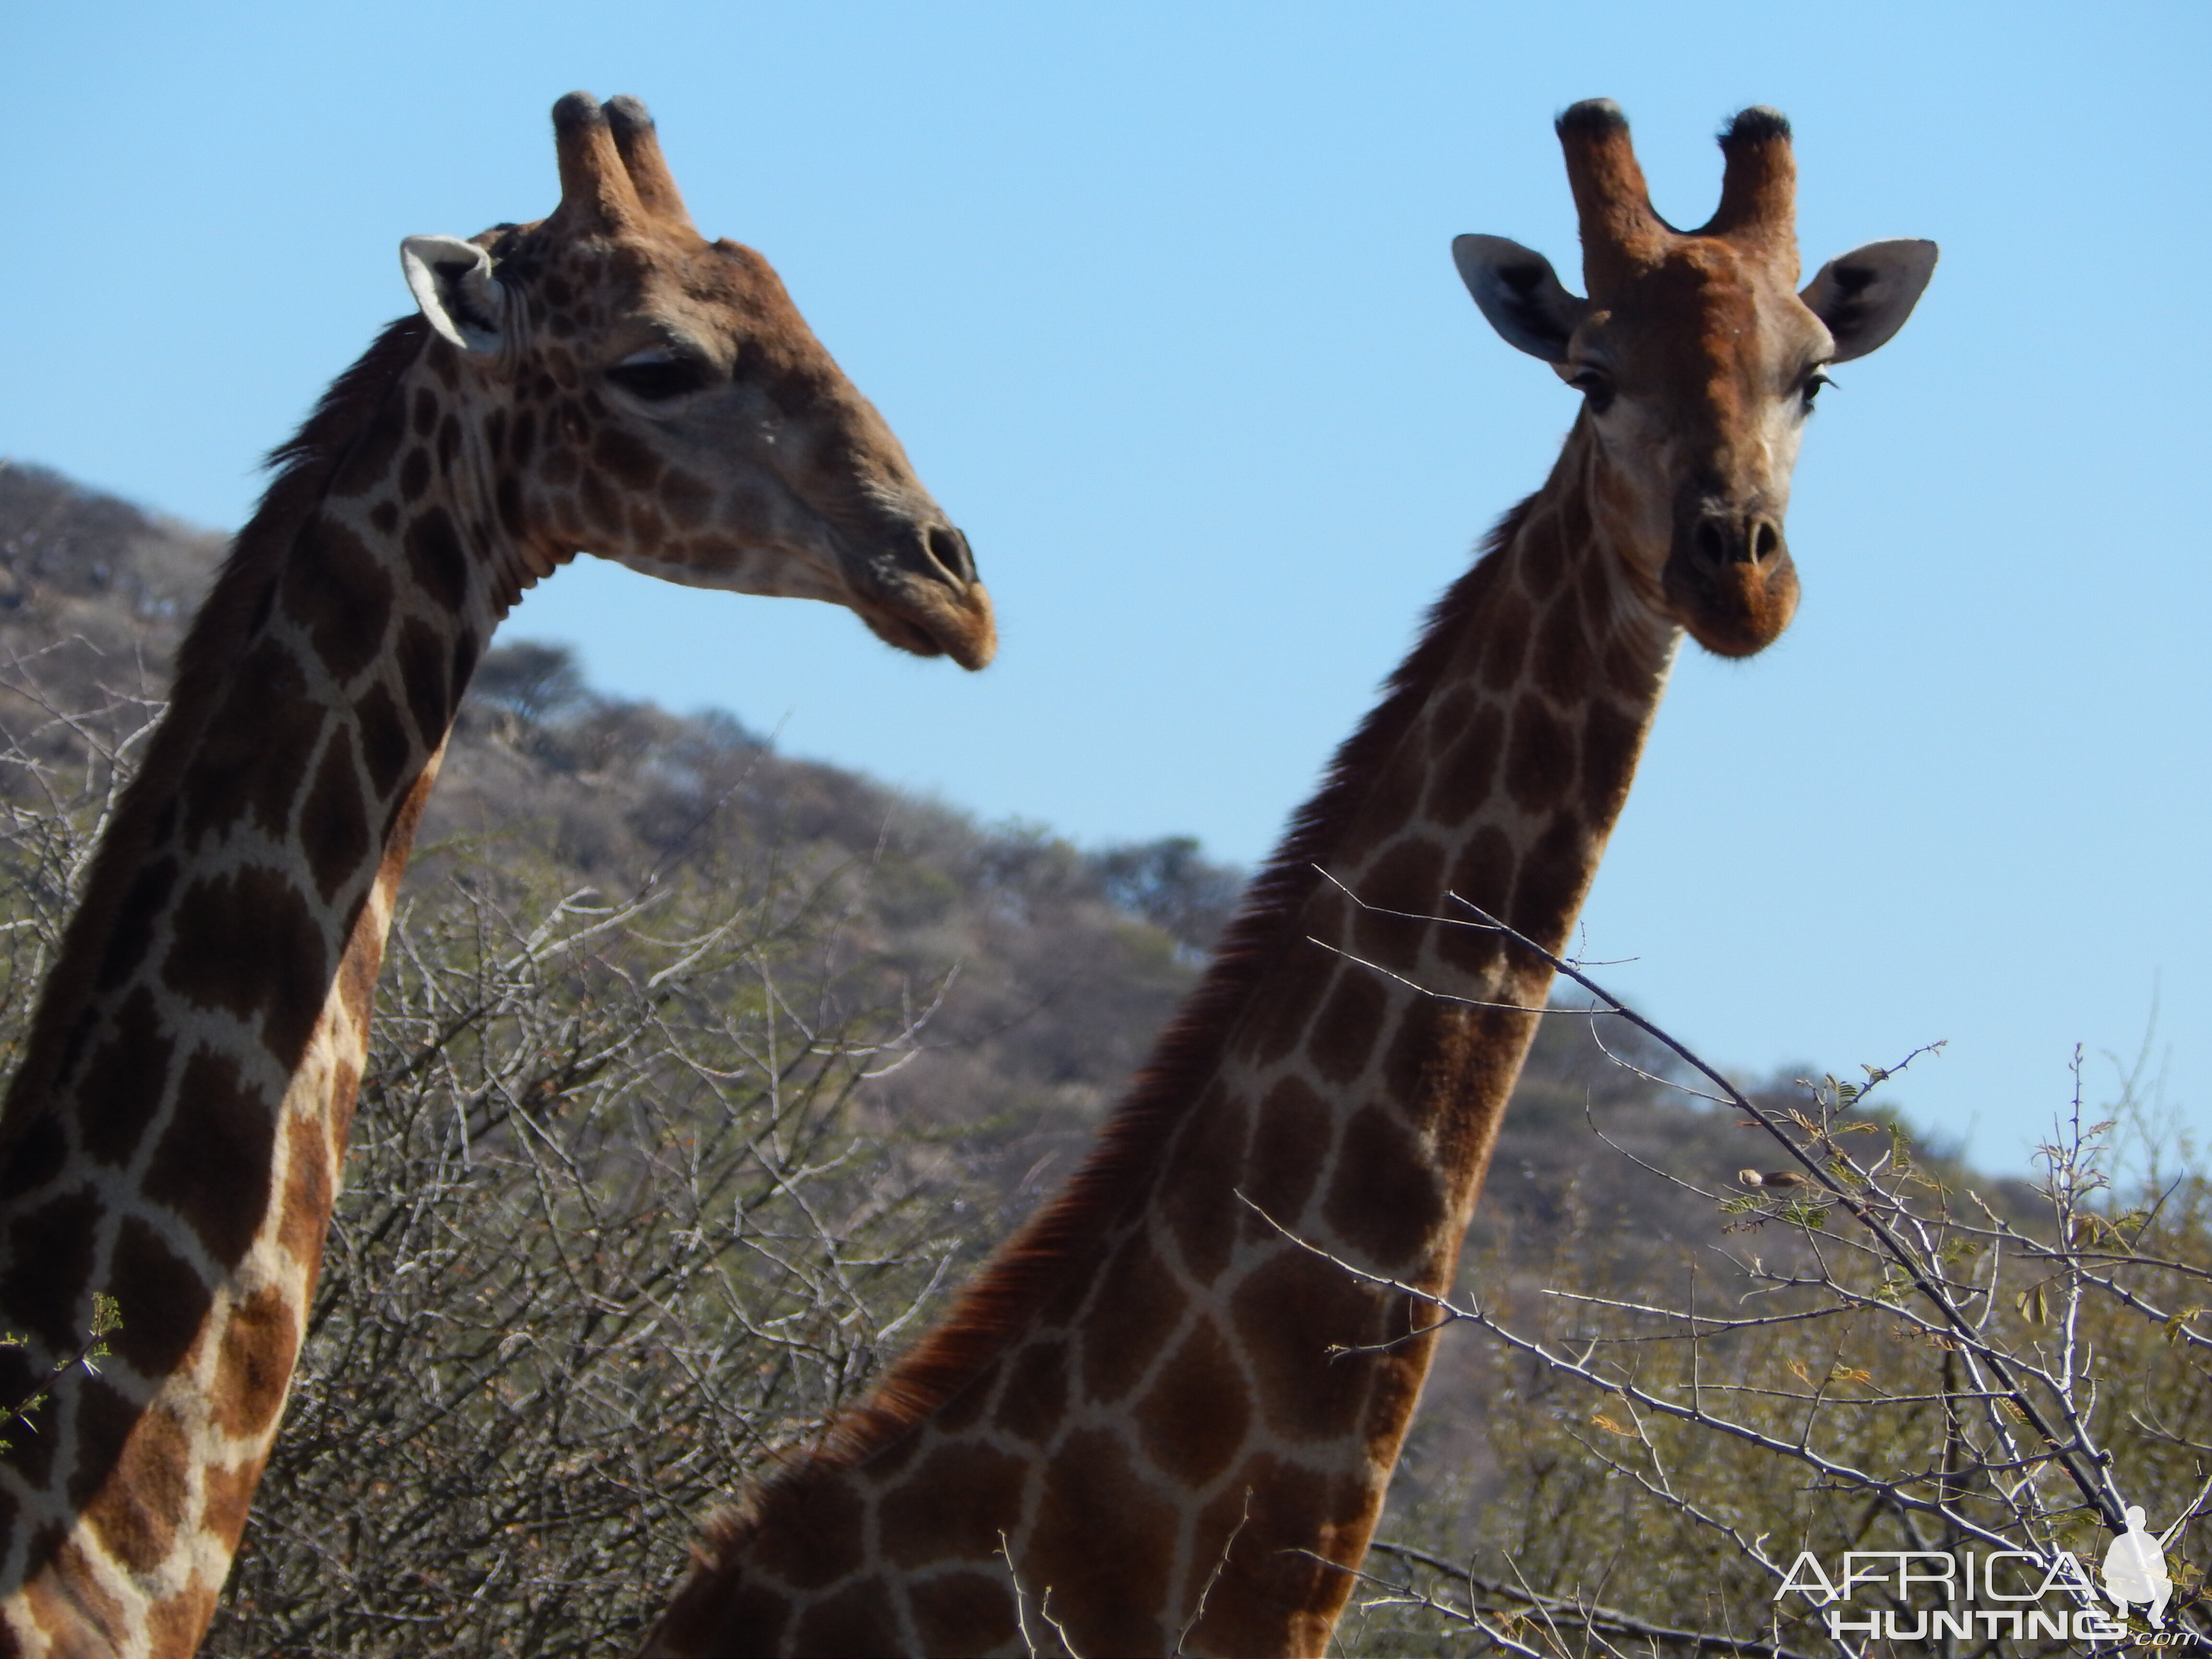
[1267,1528]
[247,943]
[51,1249]
[122,1087]
[1103,1539]
[212,1166]
[161,1298]
[259,1342]
[916,1530]
[1193,1420]
[137,1509]
[87,1619]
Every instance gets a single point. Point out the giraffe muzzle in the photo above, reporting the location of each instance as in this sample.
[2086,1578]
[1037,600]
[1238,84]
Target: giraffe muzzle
[926,598]
[1729,578]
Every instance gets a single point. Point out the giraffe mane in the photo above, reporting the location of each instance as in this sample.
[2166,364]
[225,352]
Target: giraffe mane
[1025,1271]
[242,588]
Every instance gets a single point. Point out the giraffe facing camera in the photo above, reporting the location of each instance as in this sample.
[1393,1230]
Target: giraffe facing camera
[604,379]
[1697,373]
[1162,1418]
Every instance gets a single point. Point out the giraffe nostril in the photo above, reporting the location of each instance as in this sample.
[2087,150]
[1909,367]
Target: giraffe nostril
[1711,543]
[948,549]
[1766,540]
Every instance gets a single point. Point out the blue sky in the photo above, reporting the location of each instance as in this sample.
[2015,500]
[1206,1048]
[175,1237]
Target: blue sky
[1159,298]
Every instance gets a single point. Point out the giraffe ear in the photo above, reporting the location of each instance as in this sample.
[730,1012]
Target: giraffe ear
[1865,296]
[451,281]
[1520,294]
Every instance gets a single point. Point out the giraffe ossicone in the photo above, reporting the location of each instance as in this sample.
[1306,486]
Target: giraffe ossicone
[1152,1406]
[606,380]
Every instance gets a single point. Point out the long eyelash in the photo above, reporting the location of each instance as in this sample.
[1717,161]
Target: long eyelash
[1596,387]
[656,382]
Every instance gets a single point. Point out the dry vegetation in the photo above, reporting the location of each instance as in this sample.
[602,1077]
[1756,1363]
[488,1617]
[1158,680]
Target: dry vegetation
[1850,1346]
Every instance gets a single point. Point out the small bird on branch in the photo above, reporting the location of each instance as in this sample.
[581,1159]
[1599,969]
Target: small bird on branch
[1779,1179]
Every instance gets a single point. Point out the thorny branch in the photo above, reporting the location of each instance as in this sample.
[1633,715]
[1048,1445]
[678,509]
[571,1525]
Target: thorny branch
[2017,1315]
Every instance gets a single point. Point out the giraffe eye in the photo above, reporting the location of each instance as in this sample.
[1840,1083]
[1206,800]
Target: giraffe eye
[1813,382]
[658,376]
[1596,386]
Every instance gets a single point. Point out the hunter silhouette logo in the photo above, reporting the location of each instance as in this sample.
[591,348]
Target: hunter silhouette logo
[2135,1570]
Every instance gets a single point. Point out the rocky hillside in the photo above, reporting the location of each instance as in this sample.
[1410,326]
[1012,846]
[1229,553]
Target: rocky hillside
[1062,962]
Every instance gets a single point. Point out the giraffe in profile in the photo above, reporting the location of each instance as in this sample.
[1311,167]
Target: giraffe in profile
[1154,1423]
[604,379]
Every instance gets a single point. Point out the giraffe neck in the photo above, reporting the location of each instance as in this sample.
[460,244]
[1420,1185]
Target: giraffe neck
[1138,1403]
[174,1137]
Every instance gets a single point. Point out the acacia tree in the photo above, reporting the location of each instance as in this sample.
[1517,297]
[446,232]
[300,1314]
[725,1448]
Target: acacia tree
[614,1230]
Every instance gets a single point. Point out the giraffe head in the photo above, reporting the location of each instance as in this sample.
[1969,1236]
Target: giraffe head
[645,394]
[1698,359]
